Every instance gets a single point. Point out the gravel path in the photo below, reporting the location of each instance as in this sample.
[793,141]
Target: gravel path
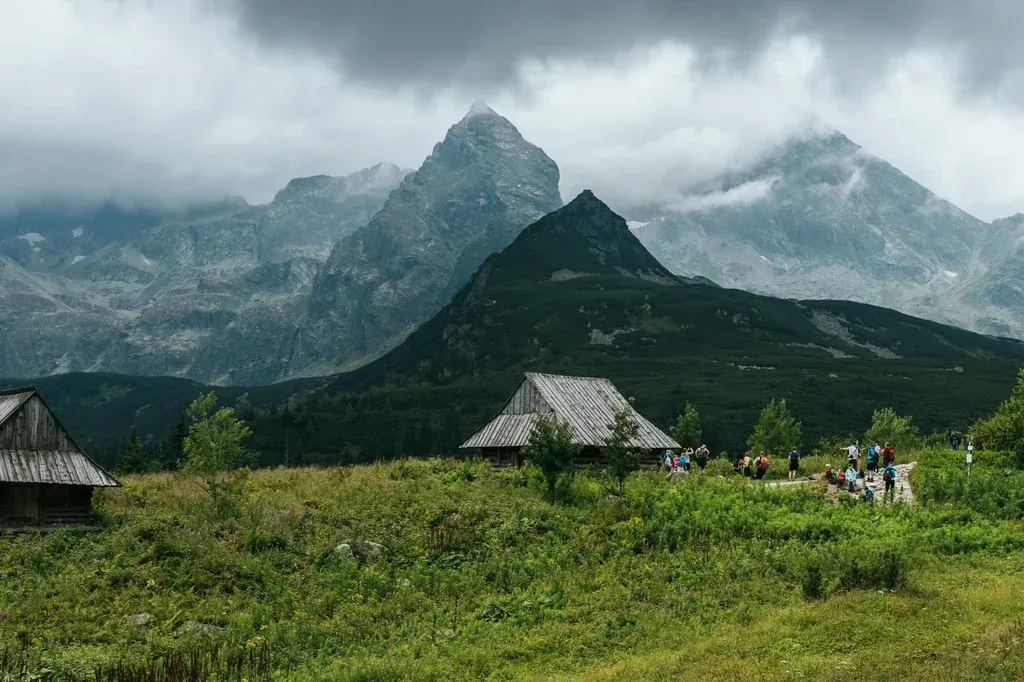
[904,493]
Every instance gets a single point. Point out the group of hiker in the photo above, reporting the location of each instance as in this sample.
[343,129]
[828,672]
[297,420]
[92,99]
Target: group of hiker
[854,477]
[681,462]
[752,467]
[861,468]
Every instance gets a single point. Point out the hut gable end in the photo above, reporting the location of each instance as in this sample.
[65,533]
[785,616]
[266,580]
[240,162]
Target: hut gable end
[32,426]
[526,400]
[587,404]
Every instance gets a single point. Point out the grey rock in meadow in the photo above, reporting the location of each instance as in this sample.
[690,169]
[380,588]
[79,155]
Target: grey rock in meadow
[193,626]
[359,551]
[140,619]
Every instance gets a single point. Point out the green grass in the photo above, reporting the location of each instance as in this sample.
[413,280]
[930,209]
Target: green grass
[710,578]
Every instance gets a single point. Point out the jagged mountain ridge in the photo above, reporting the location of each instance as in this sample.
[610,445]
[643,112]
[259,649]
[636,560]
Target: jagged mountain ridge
[213,297]
[820,217]
[997,294]
[331,271]
[472,196]
[620,314]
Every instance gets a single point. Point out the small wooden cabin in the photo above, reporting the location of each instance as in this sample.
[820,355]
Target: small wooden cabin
[587,404]
[45,478]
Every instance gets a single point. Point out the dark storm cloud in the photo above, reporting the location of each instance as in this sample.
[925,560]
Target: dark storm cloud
[481,41]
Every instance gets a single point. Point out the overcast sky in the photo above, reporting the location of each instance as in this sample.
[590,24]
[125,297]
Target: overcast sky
[190,98]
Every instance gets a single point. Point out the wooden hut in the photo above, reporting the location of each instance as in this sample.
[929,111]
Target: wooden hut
[45,478]
[587,404]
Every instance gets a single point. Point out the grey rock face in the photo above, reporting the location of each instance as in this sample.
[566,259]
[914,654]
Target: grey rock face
[997,293]
[471,197]
[333,269]
[211,295]
[820,218]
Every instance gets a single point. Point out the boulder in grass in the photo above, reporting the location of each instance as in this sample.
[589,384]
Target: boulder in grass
[194,626]
[140,620]
[361,551]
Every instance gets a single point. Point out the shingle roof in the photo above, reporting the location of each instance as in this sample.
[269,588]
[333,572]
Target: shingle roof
[510,430]
[52,466]
[64,467]
[587,404]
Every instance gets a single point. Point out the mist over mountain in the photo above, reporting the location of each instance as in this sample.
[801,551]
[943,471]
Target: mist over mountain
[331,271]
[820,217]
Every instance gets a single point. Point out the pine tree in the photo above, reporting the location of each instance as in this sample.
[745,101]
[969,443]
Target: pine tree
[622,458]
[178,437]
[687,431]
[133,461]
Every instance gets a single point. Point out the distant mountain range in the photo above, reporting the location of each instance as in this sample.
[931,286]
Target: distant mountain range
[576,292]
[334,272]
[818,217]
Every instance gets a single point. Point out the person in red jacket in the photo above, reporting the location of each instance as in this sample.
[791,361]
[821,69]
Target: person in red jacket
[888,455]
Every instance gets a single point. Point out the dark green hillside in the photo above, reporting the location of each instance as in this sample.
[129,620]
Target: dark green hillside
[522,309]
[104,407]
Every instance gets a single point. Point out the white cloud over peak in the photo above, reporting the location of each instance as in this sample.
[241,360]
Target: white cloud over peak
[170,101]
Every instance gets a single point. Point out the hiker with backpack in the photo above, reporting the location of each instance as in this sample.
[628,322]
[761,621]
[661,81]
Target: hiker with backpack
[889,476]
[869,495]
[685,459]
[761,465]
[748,465]
[852,452]
[888,455]
[794,463]
[874,452]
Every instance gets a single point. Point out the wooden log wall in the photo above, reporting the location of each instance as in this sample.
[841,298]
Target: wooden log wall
[34,427]
[63,504]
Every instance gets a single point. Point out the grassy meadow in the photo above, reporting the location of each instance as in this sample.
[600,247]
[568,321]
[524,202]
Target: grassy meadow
[483,577]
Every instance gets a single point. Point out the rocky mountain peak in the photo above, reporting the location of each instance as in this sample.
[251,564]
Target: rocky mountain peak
[381,178]
[478,108]
[470,198]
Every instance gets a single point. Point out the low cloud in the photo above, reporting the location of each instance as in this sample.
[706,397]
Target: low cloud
[748,193]
[169,101]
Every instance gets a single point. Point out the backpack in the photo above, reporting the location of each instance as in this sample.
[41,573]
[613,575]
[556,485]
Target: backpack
[842,477]
[764,464]
[887,475]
